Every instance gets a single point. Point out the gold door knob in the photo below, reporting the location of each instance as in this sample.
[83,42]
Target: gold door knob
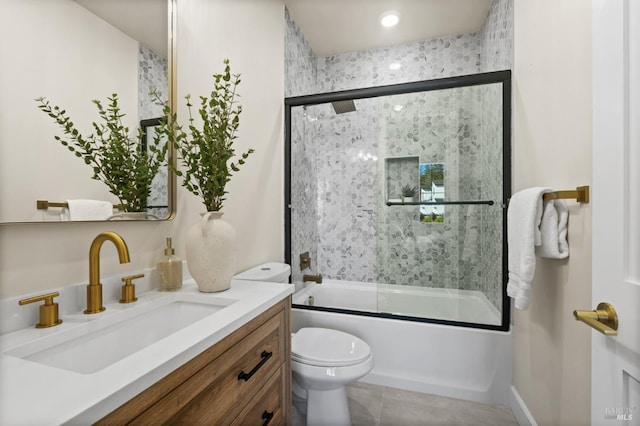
[48,310]
[604,319]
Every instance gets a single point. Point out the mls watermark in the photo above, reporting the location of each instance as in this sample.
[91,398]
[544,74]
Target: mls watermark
[620,413]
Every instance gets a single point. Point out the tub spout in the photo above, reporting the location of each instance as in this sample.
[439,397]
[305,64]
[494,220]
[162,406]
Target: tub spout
[315,278]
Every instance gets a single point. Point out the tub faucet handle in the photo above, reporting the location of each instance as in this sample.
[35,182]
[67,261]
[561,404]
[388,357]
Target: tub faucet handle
[305,261]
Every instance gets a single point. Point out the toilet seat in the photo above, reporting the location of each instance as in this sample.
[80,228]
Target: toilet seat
[328,348]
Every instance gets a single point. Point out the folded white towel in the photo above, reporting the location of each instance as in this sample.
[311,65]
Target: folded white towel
[523,230]
[89,210]
[553,230]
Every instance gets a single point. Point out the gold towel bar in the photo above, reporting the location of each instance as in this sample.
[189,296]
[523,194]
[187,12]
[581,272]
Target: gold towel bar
[44,205]
[580,194]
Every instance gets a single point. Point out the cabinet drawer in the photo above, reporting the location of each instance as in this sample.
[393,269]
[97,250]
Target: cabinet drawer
[217,385]
[266,407]
[218,390]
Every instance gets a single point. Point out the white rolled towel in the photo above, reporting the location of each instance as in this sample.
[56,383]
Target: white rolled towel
[89,209]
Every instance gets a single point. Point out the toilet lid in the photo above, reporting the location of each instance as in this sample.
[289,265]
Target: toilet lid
[327,348]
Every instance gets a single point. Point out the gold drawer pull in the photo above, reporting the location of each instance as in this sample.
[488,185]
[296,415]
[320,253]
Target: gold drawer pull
[246,376]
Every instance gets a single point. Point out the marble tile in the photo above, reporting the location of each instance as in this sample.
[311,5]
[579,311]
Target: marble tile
[497,37]
[153,75]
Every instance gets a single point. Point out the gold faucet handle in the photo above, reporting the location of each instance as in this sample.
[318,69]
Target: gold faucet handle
[129,289]
[48,310]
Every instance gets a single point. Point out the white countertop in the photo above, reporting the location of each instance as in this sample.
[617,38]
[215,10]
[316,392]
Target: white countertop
[36,394]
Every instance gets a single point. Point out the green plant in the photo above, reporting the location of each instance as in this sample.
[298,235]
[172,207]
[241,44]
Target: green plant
[205,153]
[117,159]
[409,191]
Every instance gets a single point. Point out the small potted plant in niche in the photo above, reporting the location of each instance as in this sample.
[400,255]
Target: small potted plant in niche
[116,158]
[204,157]
[408,193]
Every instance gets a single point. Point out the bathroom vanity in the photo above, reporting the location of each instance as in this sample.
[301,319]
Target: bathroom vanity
[228,362]
[243,380]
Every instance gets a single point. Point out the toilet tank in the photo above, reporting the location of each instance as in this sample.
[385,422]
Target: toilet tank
[274,272]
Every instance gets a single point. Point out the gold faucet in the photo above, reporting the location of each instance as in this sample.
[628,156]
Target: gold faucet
[315,278]
[94,289]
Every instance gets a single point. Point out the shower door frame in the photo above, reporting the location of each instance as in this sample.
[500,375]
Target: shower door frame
[503,77]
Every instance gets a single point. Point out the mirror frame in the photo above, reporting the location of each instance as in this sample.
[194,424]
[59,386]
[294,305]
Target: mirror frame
[172,91]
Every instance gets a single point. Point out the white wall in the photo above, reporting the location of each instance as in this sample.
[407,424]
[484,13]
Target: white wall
[250,33]
[37,257]
[42,45]
[552,147]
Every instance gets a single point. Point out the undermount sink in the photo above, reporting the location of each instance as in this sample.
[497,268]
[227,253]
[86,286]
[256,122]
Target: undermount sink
[94,345]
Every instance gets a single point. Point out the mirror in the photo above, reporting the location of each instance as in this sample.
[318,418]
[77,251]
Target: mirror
[72,52]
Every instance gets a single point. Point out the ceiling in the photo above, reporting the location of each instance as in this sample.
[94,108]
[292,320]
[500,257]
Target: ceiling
[338,26]
[330,26]
[142,20]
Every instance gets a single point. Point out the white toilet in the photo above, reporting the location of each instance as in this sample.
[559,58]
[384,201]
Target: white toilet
[323,361]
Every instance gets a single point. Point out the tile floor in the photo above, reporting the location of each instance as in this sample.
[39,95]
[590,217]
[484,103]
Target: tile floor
[372,405]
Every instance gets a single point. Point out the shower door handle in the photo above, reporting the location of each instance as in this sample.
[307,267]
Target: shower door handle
[604,319]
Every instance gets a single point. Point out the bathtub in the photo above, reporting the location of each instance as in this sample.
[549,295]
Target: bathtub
[421,302]
[454,361]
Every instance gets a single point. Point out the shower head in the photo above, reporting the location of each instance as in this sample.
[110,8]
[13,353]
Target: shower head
[340,107]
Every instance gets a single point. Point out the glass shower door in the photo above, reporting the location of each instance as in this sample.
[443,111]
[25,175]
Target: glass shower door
[440,219]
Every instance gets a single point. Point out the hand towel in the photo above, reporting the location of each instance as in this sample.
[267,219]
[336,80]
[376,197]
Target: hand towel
[89,210]
[553,230]
[523,235]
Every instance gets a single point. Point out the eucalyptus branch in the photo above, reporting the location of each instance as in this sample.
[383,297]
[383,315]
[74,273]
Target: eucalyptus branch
[116,158]
[205,153]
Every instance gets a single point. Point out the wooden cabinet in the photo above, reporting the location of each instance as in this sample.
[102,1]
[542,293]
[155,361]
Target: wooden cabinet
[245,379]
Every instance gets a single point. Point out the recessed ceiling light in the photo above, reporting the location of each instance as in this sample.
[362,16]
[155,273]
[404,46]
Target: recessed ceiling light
[398,108]
[389,18]
[395,66]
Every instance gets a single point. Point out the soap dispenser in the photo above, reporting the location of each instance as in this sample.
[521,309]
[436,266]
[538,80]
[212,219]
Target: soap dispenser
[170,270]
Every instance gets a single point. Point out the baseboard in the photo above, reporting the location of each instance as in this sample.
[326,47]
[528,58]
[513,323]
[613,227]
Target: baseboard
[520,410]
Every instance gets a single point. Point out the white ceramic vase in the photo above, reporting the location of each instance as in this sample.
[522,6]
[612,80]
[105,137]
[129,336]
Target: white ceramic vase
[211,248]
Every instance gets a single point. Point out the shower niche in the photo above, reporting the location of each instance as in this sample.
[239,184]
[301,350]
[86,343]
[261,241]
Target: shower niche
[405,196]
[410,182]
[401,175]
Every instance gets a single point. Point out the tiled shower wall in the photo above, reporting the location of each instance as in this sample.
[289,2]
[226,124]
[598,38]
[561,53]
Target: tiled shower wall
[349,212]
[439,127]
[301,76]
[153,75]
[497,54]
